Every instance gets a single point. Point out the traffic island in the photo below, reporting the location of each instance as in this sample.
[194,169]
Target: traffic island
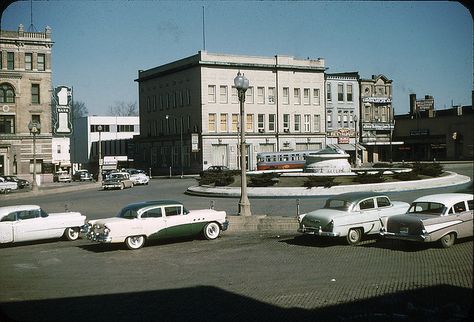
[263,223]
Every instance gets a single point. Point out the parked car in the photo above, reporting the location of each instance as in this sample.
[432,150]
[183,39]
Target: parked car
[216,168]
[142,221]
[82,175]
[351,215]
[21,183]
[117,180]
[439,217]
[62,176]
[139,178]
[7,186]
[30,222]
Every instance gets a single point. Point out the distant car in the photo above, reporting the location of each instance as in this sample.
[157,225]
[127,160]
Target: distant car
[213,169]
[117,180]
[142,221]
[139,178]
[82,175]
[439,217]
[22,183]
[30,222]
[351,215]
[62,176]
[7,186]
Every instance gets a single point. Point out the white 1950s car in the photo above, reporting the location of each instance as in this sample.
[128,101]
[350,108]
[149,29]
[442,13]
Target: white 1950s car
[351,215]
[30,222]
[441,217]
[141,221]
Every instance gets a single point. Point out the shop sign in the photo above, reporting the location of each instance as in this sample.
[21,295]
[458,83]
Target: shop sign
[376,100]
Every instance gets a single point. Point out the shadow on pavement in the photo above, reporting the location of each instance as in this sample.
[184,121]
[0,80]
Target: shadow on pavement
[206,303]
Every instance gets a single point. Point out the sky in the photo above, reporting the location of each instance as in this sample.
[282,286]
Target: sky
[426,48]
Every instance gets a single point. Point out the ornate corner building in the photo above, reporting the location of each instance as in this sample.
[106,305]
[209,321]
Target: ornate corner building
[25,96]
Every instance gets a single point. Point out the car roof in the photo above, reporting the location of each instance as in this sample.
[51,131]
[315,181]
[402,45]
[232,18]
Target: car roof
[356,196]
[7,209]
[447,199]
[138,205]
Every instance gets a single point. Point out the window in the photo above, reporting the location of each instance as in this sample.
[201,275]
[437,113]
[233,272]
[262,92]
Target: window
[223,94]
[148,105]
[271,95]
[286,121]
[172,211]
[58,149]
[249,95]
[328,92]
[339,119]
[212,123]
[261,122]
[271,122]
[173,100]
[188,97]
[306,95]
[1,60]
[329,120]
[94,128]
[317,123]
[7,124]
[367,204]
[383,202]
[307,123]
[235,95]
[459,207]
[223,127]
[180,99]
[152,213]
[316,96]
[260,95]
[7,94]
[235,123]
[154,103]
[349,93]
[10,61]
[211,93]
[125,128]
[297,95]
[41,62]
[286,95]
[340,92]
[297,122]
[345,119]
[35,93]
[28,61]
[249,123]
[160,101]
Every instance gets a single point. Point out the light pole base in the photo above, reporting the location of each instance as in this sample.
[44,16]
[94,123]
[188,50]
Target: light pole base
[244,208]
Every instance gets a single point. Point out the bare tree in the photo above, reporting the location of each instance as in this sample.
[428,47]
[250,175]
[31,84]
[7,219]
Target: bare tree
[123,109]
[79,109]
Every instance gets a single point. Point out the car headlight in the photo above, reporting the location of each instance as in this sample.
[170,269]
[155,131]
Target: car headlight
[329,227]
[106,230]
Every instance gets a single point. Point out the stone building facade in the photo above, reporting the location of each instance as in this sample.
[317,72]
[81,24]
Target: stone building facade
[284,107]
[25,95]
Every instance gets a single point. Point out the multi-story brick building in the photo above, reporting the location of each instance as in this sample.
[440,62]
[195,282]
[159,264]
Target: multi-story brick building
[376,118]
[284,107]
[25,95]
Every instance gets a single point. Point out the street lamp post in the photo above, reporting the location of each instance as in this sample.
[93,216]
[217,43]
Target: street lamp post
[355,143]
[180,140]
[392,127]
[34,128]
[241,84]
[99,176]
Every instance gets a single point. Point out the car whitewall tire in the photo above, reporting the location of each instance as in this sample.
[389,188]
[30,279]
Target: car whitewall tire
[135,242]
[354,236]
[447,240]
[71,233]
[212,231]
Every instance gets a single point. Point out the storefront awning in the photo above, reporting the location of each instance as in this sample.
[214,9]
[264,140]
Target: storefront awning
[347,146]
[385,143]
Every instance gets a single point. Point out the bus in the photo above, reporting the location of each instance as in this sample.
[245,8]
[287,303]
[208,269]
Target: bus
[282,160]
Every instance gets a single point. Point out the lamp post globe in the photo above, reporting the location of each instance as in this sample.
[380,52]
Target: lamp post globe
[242,84]
[34,128]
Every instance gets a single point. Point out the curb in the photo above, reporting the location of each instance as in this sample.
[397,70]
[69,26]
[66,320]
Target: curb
[453,179]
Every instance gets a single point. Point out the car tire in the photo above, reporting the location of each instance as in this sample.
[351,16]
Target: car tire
[71,233]
[211,231]
[447,240]
[354,236]
[122,186]
[135,242]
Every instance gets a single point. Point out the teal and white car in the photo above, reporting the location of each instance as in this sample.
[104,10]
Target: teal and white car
[138,222]
[351,215]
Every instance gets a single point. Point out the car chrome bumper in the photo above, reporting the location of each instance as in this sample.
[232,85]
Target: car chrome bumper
[317,231]
[87,233]
[419,238]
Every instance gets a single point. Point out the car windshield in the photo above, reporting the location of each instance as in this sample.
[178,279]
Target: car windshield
[117,176]
[427,208]
[127,213]
[337,204]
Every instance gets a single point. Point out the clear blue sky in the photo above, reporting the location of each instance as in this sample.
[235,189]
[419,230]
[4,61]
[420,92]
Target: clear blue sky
[424,47]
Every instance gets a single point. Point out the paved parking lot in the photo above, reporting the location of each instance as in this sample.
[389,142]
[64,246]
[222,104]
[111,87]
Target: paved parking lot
[239,277]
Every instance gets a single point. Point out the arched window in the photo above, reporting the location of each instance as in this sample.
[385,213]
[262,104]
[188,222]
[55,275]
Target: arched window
[7,93]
